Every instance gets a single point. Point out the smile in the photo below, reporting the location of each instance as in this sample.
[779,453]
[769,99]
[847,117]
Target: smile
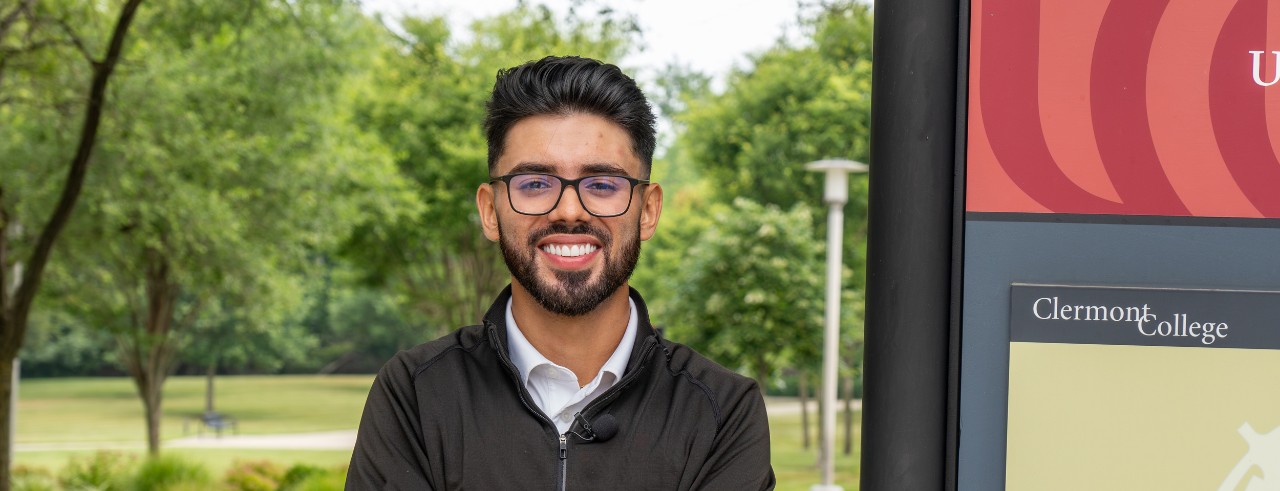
[569,250]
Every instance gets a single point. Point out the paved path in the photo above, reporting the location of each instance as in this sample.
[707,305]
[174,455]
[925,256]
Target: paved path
[325,440]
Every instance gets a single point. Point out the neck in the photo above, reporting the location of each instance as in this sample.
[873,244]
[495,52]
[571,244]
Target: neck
[582,343]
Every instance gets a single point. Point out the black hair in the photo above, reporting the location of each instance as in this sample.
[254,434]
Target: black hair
[569,85]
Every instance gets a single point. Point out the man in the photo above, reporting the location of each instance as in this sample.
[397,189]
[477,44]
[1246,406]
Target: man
[565,384]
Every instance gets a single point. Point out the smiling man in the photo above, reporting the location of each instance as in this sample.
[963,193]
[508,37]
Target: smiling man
[565,384]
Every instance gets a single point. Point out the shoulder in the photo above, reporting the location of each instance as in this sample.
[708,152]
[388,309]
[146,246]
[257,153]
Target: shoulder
[684,359]
[727,391]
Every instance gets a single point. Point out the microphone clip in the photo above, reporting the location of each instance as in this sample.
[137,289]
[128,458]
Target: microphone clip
[588,433]
[605,428]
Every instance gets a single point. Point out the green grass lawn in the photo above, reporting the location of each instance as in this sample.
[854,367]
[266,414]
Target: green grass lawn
[796,468]
[108,410]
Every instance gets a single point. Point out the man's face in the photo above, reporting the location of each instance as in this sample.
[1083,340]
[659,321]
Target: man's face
[569,260]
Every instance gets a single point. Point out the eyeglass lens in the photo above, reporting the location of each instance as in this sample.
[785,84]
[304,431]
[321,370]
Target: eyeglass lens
[536,194]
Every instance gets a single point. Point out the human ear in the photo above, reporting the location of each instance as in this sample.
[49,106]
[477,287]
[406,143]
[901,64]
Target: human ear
[488,211]
[650,209]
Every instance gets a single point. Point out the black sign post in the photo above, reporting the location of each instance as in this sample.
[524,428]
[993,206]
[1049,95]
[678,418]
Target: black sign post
[910,248]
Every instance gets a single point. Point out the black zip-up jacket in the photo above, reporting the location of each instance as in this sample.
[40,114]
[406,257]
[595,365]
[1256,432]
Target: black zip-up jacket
[453,414]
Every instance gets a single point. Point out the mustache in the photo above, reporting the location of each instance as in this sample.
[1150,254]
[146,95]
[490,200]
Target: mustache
[579,229]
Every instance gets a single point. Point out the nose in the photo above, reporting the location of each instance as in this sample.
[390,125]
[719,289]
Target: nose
[569,209]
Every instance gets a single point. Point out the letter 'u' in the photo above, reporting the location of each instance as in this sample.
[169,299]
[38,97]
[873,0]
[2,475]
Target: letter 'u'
[1257,68]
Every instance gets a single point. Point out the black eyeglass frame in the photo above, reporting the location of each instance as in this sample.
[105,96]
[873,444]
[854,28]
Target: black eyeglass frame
[564,184]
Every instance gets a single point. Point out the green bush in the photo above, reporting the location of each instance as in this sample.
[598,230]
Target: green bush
[171,473]
[325,480]
[115,471]
[297,474]
[24,478]
[257,475]
[101,471]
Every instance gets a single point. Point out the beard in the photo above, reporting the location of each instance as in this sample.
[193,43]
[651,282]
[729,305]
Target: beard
[574,293]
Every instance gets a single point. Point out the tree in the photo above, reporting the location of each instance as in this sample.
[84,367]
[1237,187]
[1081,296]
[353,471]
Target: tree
[232,161]
[751,295]
[18,294]
[238,331]
[795,103]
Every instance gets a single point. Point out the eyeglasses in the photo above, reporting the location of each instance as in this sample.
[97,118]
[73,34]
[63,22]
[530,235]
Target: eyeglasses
[538,194]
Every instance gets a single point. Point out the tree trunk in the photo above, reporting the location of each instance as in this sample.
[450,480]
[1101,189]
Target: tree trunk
[848,415]
[804,410]
[149,388]
[208,386]
[6,412]
[149,348]
[15,309]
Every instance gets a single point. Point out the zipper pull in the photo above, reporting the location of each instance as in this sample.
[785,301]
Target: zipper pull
[564,447]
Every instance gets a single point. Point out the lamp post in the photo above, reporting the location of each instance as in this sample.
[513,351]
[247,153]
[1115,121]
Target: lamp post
[835,195]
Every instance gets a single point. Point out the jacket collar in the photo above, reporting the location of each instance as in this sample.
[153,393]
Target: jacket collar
[495,320]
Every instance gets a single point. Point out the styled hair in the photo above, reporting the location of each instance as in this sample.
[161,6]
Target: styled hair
[568,85]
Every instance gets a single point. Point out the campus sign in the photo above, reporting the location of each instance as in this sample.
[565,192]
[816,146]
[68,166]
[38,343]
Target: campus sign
[1120,289]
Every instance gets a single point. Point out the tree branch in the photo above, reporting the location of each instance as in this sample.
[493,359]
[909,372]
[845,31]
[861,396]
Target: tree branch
[7,53]
[11,18]
[15,328]
[78,43]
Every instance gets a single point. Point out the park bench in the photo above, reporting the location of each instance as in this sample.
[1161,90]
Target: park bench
[212,420]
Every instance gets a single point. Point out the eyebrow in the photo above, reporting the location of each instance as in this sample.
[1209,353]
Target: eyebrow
[534,167]
[589,169]
[603,168]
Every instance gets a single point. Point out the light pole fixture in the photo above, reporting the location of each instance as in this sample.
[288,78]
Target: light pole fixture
[835,195]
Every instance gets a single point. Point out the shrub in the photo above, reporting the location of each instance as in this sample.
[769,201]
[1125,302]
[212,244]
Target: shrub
[256,475]
[325,480]
[25,478]
[297,474]
[101,471]
[171,473]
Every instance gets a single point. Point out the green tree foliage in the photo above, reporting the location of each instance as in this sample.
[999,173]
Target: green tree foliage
[426,103]
[60,344]
[367,328]
[751,296]
[795,103]
[28,33]
[232,158]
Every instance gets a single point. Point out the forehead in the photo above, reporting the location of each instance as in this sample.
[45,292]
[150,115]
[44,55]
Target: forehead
[568,146]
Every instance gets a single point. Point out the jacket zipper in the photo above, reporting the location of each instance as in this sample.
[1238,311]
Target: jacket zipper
[651,342]
[564,461]
[511,369]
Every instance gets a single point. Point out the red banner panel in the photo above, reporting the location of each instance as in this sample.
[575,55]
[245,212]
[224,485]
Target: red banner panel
[1124,107]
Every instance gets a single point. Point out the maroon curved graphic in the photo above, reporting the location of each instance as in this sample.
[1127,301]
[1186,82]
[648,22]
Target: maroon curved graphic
[1118,94]
[1237,107]
[1011,109]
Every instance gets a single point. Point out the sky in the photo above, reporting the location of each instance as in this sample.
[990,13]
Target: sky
[711,36]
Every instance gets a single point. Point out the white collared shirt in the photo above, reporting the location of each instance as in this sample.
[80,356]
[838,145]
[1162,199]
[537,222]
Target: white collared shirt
[555,388]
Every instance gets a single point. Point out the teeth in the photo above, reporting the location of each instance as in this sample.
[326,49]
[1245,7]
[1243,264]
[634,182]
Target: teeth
[570,250]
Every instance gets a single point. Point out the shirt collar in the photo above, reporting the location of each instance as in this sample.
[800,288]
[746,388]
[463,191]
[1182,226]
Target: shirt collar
[525,357]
